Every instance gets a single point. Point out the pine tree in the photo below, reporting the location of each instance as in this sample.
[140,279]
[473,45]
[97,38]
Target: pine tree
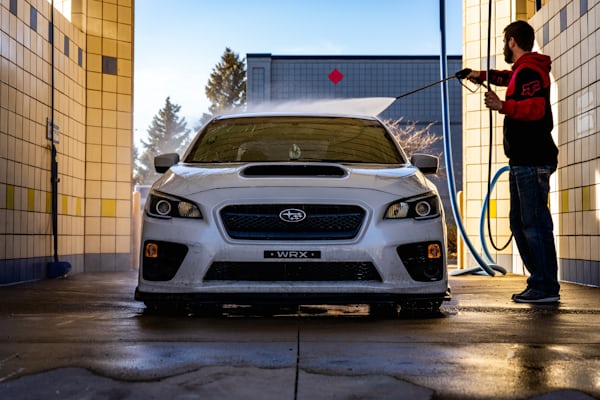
[168,133]
[137,179]
[226,88]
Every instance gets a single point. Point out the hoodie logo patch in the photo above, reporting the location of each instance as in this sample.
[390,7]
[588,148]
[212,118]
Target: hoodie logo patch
[531,88]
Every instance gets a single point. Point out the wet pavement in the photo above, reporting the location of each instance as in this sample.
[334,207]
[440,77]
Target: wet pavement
[84,337]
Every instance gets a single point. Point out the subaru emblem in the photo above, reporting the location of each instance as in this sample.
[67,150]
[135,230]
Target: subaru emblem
[292,215]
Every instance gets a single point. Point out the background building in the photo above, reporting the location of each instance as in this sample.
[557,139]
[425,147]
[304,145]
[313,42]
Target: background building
[569,32]
[275,78]
[88,73]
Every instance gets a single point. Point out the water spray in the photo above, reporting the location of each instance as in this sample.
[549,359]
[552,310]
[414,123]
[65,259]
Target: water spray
[359,106]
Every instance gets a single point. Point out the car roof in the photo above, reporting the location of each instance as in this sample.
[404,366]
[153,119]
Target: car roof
[294,114]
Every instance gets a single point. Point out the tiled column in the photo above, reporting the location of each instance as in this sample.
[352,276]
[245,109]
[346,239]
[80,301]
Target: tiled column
[476,130]
[109,139]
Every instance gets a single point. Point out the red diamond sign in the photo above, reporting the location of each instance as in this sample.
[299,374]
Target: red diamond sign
[335,76]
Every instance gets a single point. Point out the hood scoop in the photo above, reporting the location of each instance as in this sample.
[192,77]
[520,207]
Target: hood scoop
[265,170]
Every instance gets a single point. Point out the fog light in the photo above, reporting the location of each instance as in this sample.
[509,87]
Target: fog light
[434,250]
[162,266]
[424,261]
[151,250]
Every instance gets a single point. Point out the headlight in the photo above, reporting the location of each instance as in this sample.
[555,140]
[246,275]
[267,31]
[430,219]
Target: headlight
[417,208]
[163,206]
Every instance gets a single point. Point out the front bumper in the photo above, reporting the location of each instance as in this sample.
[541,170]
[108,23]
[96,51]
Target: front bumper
[293,298]
[199,246]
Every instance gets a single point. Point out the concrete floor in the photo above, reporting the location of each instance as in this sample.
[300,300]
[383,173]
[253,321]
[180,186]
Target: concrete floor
[85,337]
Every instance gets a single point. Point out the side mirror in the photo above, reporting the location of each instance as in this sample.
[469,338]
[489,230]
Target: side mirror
[428,164]
[163,162]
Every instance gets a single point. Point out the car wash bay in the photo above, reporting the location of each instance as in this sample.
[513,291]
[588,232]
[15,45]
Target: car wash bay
[85,336]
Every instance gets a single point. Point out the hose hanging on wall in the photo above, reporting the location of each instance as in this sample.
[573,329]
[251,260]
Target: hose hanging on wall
[488,267]
[485,212]
[491,144]
[56,268]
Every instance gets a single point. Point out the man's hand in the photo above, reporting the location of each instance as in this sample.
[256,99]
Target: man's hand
[492,101]
[474,76]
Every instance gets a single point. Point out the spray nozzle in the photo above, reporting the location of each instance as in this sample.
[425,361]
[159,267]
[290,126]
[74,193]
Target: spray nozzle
[463,73]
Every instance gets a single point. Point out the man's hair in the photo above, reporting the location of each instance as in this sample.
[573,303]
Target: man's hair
[522,32]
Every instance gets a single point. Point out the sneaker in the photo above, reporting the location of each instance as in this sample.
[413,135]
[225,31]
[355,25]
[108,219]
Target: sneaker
[519,294]
[535,296]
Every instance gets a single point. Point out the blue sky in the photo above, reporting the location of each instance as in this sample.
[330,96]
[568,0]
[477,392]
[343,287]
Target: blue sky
[179,42]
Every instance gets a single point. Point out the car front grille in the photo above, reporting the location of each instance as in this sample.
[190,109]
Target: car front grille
[321,222]
[292,271]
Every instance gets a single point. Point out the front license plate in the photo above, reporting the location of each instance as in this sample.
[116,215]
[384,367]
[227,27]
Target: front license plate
[295,254]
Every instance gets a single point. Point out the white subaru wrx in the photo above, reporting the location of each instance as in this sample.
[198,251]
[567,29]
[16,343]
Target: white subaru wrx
[292,209]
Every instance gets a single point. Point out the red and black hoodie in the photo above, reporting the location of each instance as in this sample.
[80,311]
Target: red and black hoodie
[528,116]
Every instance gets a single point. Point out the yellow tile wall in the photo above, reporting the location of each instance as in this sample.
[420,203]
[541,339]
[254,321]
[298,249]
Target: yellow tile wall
[476,127]
[576,57]
[94,112]
[109,121]
[575,187]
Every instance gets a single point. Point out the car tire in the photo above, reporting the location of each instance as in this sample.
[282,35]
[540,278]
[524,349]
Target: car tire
[179,309]
[207,310]
[420,307]
[164,308]
[383,310]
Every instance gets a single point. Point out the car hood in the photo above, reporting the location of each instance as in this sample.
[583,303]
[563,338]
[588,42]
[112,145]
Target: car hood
[187,180]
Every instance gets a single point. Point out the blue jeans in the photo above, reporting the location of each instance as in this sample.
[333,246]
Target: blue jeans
[531,225]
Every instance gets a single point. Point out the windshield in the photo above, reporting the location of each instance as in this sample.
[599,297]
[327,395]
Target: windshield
[285,138]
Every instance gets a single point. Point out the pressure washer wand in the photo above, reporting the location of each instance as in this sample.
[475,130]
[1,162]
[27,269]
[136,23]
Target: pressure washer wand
[462,74]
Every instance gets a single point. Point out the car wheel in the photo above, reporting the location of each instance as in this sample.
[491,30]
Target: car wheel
[164,308]
[383,310]
[420,307]
[207,310]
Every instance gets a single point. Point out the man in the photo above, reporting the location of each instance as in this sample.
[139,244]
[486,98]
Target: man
[532,155]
